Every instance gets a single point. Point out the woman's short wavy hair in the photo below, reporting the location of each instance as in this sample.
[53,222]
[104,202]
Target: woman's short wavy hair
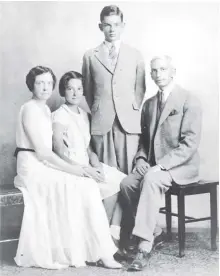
[35,71]
[65,79]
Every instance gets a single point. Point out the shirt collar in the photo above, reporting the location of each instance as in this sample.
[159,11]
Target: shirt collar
[65,106]
[117,44]
[167,90]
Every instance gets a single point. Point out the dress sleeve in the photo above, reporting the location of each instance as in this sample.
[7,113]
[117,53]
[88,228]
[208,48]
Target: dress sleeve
[59,117]
[86,117]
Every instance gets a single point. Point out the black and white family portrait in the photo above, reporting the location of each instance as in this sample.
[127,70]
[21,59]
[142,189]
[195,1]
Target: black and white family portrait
[109,138]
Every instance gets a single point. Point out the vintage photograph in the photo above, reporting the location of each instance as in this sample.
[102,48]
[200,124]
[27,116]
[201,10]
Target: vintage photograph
[109,138]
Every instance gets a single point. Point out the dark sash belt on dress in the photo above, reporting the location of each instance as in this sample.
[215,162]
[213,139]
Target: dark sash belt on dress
[21,149]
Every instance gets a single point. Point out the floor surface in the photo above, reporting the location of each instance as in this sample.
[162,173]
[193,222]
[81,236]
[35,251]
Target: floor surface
[199,260]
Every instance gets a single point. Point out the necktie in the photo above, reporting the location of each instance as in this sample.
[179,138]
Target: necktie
[161,100]
[113,56]
[160,104]
[112,52]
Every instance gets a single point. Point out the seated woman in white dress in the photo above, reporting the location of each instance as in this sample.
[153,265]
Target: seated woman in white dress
[71,141]
[64,222]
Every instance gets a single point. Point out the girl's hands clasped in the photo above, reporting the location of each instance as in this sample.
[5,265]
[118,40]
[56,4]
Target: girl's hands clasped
[94,173]
[79,171]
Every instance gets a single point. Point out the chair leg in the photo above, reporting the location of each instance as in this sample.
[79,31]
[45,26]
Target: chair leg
[213,211]
[168,215]
[181,223]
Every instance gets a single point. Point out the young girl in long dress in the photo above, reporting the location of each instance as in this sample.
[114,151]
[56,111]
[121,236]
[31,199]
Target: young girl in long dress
[64,222]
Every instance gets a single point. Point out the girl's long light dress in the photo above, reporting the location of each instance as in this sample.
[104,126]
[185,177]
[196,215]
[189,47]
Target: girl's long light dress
[76,137]
[64,222]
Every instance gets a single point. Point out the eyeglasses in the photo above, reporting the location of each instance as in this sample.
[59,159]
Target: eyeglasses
[43,82]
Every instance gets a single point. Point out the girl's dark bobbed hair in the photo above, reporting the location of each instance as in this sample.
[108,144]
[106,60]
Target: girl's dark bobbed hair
[65,79]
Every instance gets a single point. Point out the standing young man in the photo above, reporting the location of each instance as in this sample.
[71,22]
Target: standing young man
[114,87]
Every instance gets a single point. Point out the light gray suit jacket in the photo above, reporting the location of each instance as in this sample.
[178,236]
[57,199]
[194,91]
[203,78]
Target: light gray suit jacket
[109,92]
[177,135]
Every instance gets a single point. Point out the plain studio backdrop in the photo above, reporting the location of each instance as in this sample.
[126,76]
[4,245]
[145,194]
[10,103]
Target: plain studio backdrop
[56,34]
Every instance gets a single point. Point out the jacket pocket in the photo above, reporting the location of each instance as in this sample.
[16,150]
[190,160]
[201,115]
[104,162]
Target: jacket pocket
[173,112]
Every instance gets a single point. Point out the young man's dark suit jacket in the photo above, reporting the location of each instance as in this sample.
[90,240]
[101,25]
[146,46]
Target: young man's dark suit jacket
[175,140]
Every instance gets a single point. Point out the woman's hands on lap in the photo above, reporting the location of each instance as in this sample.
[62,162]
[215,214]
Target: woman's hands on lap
[79,171]
[96,173]
[100,170]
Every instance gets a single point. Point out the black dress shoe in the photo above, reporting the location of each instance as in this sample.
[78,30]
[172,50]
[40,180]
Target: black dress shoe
[159,241]
[120,256]
[140,261]
[132,245]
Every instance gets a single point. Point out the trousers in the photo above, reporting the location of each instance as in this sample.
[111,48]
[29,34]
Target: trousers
[116,148]
[142,199]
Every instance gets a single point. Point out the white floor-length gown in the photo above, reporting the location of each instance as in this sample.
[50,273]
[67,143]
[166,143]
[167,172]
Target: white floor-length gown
[64,222]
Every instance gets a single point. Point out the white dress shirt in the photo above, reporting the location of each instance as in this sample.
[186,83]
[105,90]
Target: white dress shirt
[117,44]
[167,90]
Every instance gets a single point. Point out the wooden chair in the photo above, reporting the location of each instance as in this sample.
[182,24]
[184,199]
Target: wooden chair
[181,191]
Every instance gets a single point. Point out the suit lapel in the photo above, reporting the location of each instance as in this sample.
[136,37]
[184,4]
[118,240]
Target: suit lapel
[171,103]
[122,57]
[152,119]
[101,55]
[153,115]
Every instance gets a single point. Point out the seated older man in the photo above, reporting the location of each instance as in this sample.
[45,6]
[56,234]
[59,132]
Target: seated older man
[171,126]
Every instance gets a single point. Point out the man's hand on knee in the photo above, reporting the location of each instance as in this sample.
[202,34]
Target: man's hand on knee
[153,169]
[158,177]
[141,167]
